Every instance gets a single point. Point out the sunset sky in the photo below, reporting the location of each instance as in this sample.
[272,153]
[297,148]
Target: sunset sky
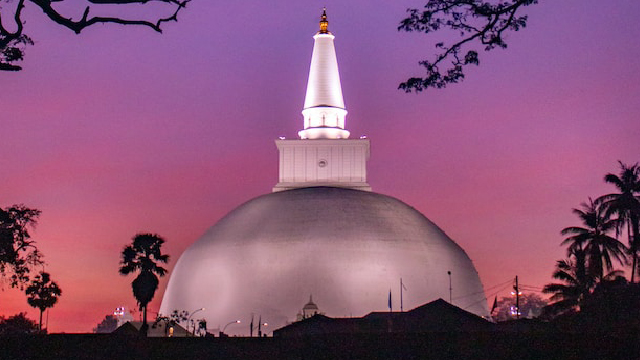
[121,130]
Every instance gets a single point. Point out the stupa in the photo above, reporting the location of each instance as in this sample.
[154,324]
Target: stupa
[322,231]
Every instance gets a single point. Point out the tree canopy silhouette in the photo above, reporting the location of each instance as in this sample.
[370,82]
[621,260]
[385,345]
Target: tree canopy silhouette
[594,239]
[143,256]
[42,293]
[530,306]
[478,22]
[18,252]
[626,205]
[17,324]
[614,304]
[13,40]
[575,285]
[589,271]
[107,325]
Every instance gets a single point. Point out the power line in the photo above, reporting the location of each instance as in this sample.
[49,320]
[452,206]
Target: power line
[483,291]
[490,295]
[531,286]
[532,290]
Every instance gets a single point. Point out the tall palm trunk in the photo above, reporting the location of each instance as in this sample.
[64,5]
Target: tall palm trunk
[633,243]
[145,327]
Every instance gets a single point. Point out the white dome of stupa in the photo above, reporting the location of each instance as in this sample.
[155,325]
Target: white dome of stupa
[347,247]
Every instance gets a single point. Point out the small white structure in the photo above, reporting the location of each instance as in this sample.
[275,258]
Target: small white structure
[308,310]
[323,162]
[122,315]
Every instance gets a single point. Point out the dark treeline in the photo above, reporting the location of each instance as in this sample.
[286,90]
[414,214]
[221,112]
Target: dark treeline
[19,256]
[592,287]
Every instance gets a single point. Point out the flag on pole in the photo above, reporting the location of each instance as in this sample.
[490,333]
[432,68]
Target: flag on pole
[251,327]
[389,302]
[401,283]
[495,304]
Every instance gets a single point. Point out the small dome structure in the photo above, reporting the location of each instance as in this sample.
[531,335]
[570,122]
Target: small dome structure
[310,305]
[348,247]
[308,310]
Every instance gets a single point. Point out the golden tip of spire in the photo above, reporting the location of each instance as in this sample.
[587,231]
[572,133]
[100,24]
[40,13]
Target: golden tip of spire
[324,24]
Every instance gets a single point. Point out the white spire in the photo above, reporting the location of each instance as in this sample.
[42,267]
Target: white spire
[324,112]
[324,155]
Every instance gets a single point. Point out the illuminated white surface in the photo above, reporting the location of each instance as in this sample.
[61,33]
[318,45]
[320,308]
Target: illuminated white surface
[323,162]
[324,156]
[324,111]
[346,247]
[323,87]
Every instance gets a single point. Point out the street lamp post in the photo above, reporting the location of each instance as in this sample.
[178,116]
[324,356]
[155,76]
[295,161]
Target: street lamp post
[225,327]
[259,327]
[189,321]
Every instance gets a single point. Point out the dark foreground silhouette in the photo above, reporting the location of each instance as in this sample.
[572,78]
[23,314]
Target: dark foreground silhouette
[494,345]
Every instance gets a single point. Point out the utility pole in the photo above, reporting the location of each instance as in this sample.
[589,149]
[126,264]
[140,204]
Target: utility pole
[517,289]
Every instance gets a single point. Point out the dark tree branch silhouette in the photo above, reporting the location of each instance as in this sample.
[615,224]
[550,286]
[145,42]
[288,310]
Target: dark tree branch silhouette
[13,42]
[18,253]
[478,22]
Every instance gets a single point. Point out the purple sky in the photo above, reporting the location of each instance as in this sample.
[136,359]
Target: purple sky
[121,130]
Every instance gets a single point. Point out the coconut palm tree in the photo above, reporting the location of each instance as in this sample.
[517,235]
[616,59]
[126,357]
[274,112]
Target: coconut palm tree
[575,287]
[626,205]
[599,248]
[143,256]
[42,293]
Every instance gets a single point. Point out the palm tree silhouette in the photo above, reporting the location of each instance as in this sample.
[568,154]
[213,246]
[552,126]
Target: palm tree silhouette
[599,248]
[42,293]
[575,286]
[626,205]
[142,256]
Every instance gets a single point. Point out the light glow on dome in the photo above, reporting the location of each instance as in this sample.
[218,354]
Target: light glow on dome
[346,247]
